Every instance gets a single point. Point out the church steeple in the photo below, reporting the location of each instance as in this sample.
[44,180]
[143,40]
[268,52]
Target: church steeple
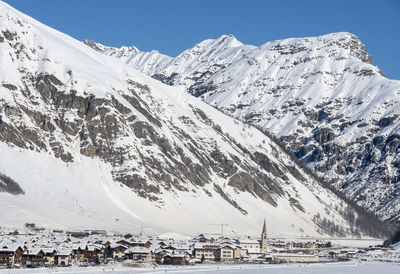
[264,238]
[264,230]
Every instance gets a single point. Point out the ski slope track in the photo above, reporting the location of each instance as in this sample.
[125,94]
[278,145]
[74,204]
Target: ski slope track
[94,143]
[320,95]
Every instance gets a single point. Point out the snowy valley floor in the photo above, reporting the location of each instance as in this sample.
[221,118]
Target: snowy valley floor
[327,268]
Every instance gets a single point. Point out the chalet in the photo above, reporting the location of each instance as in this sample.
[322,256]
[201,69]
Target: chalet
[159,255]
[95,253]
[138,253]
[85,253]
[161,244]
[49,256]
[227,253]
[118,251]
[33,257]
[6,256]
[10,255]
[175,259]
[79,252]
[63,257]
[205,238]
[125,243]
[231,244]
[207,252]
[140,243]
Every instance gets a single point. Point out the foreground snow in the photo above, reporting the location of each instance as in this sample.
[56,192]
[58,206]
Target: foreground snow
[343,268]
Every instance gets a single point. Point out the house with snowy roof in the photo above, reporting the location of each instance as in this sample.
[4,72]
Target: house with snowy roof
[138,253]
[141,243]
[249,243]
[117,250]
[294,258]
[86,253]
[253,254]
[49,255]
[63,257]
[205,238]
[34,256]
[11,254]
[176,259]
[216,252]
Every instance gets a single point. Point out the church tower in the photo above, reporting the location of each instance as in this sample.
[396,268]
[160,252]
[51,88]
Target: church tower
[264,238]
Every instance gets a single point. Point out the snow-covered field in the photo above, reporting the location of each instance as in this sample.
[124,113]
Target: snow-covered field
[328,268]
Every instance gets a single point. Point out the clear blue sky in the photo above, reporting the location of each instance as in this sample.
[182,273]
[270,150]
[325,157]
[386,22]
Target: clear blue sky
[173,26]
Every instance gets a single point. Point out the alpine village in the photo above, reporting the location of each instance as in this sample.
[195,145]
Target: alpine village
[36,247]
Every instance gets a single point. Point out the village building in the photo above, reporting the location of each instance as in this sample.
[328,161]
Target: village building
[175,259]
[205,238]
[118,250]
[254,254]
[49,256]
[227,253]
[33,257]
[10,255]
[249,243]
[295,258]
[138,253]
[124,243]
[63,257]
[159,255]
[85,253]
[277,244]
[207,252]
[140,243]
[6,256]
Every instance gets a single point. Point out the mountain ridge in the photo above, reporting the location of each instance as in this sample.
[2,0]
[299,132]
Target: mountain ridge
[320,95]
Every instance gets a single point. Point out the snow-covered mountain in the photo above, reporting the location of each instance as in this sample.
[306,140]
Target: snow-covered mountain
[320,95]
[88,142]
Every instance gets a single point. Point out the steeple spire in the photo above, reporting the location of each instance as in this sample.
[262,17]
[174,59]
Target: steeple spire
[264,230]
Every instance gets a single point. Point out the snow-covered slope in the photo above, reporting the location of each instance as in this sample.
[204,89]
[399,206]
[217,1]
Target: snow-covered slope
[320,95]
[94,143]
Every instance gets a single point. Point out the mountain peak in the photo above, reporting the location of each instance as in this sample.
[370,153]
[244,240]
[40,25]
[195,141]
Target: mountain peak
[343,43]
[221,43]
[229,40]
[350,42]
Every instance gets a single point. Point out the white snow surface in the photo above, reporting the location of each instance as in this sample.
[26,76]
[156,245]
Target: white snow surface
[327,268]
[83,194]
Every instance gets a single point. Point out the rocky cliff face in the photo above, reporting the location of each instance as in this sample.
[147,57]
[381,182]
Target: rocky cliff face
[320,95]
